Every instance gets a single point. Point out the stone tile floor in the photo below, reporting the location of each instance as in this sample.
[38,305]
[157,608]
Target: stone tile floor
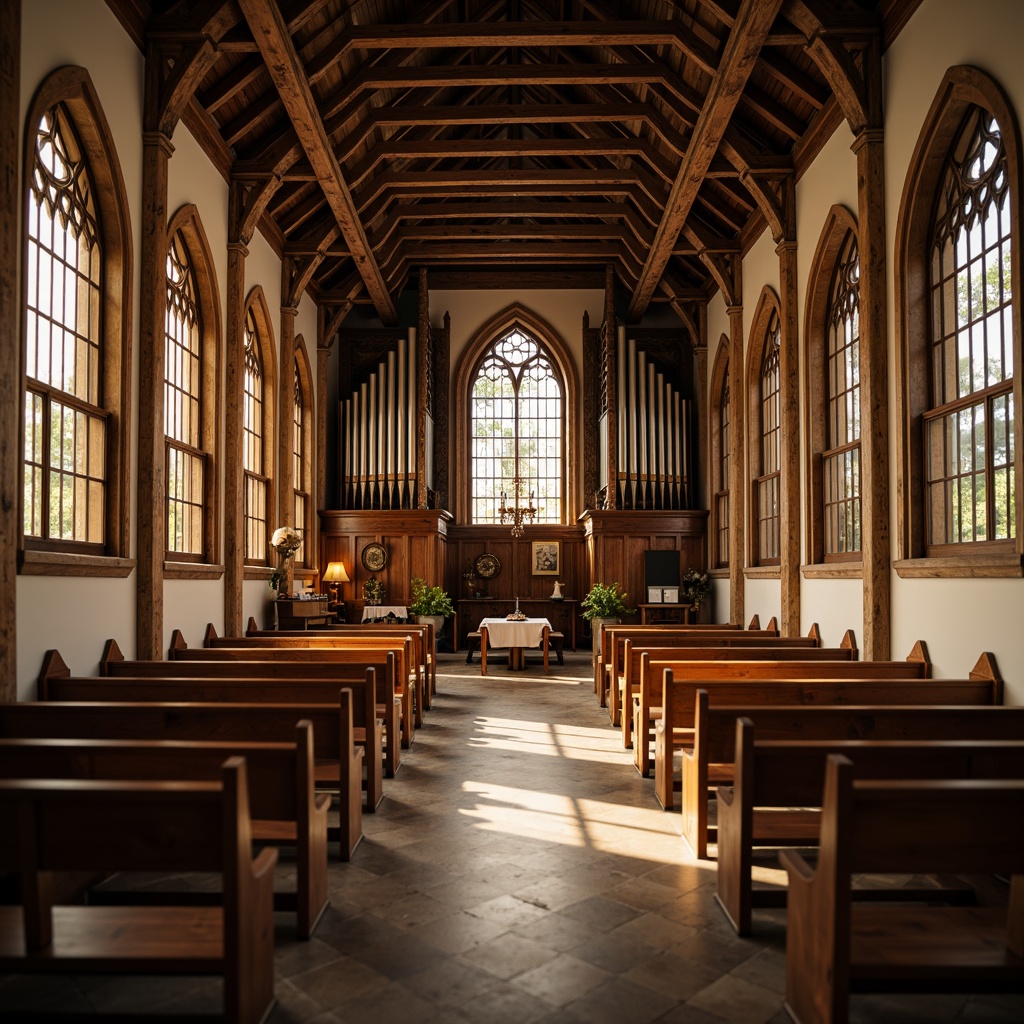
[520,871]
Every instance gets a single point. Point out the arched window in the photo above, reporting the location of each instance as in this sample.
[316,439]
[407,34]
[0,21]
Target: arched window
[832,353]
[765,431]
[720,419]
[77,280]
[302,453]
[517,425]
[969,438]
[253,448]
[958,269]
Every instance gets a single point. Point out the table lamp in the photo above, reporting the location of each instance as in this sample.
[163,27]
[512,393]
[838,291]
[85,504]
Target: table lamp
[334,576]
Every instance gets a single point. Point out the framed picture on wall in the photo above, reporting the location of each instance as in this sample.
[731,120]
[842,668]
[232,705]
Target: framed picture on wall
[545,560]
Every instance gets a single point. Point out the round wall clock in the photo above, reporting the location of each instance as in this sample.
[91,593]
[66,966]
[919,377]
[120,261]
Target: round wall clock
[374,557]
[487,565]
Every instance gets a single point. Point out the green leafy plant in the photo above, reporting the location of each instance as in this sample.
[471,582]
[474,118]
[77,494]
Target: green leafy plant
[696,587]
[429,600]
[605,601]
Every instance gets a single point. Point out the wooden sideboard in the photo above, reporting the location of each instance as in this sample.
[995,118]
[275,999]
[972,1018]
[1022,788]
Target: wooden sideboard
[561,614]
[293,613]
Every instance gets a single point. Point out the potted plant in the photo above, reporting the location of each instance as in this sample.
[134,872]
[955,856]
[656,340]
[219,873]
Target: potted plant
[604,604]
[430,604]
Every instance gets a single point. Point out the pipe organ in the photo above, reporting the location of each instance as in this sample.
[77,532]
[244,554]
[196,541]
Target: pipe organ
[379,433]
[653,450]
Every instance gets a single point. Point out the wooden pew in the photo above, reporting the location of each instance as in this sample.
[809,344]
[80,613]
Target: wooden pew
[610,653]
[284,805]
[408,678]
[74,825]
[673,729]
[56,685]
[737,640]
[835,945]
[424,644]
[774,800]
[711,761]
[221,664]
[641,703]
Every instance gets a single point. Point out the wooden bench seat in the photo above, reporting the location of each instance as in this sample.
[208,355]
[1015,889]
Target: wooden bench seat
[221,665]
[706,648]
[76,825]
[365,734]
[639,696]
[835,946]
[710,762]
[425,644]
[688,676]
[774,800]
[284,806]
[409,680]
[608,660]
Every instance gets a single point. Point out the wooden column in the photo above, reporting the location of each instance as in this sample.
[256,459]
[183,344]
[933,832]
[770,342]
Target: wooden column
[152,477]
[737,481]
[11,399]
[234,480]
[702,497]
[874,395]
[789,405]
[286,402]
[323,362]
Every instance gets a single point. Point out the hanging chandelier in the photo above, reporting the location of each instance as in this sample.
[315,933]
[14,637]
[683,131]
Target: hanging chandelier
[515,513]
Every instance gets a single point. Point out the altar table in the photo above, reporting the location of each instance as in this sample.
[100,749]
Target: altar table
[516,636]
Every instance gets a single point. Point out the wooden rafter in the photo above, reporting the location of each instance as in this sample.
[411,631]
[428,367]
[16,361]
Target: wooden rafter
[271,34]
[749,30]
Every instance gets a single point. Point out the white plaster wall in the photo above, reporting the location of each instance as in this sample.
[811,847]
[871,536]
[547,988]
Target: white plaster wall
[75,615]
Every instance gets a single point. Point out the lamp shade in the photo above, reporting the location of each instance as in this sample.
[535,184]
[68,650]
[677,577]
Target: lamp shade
[336,573]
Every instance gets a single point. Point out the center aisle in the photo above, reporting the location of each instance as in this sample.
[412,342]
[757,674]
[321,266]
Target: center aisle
[520,870]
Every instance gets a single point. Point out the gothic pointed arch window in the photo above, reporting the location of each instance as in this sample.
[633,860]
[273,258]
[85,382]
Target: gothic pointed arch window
[258,390]
[191,375]
[765,432]
[517,428]
[77,288]
[958,275]
[302,452]
[720,430]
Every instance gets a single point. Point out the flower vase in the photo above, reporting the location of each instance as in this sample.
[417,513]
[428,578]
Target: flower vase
[284,587]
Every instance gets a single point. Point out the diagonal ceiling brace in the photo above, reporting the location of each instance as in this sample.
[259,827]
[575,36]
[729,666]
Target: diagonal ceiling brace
[753,22]
[288,74]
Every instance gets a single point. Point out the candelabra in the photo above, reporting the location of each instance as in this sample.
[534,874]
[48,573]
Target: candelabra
[515,513]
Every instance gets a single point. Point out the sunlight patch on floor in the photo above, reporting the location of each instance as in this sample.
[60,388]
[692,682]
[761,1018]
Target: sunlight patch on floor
[571,741]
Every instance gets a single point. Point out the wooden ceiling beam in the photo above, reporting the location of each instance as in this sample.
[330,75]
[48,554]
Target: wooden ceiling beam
[753,22]
[271,34]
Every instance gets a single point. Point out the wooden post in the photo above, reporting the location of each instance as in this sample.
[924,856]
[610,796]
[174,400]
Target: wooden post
[869,146]
[789,406]
[234,347]
[286,404]
[422,355]
[11,399]
[737,481]
[151,482]
[611,383]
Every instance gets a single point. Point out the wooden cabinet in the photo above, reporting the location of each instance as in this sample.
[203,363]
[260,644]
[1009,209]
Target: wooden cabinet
[293,613]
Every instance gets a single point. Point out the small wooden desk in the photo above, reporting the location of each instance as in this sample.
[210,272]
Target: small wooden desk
[516,636]
[650,613]
[293,613]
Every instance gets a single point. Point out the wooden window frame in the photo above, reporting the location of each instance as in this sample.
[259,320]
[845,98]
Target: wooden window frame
[721,426]
[72,88]
[256,307]
[188,223]
[840,224]
[962,87]
[304,456]
[561,360]
[768,311]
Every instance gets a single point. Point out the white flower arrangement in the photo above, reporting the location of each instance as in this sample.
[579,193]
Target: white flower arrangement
[286,540]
